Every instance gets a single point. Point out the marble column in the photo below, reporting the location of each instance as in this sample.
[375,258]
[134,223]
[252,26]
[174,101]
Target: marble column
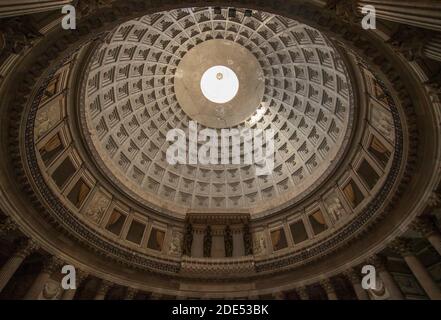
[354,277]
[49,267]
[403,247]
[426,227]
[197,246]
[303,293]
[329,289]
[389,282]
[12,8]
[103,288]
[70,293]
[130,293]
[217,249]
[238,242]
[24,249]
[422,14]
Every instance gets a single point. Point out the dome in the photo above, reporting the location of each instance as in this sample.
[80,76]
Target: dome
[134,95]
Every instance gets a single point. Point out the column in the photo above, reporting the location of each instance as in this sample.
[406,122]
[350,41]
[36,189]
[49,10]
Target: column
[103,288]
[303,293]
[427,228]
[131,294]
[12,8]
[24,249]
[49,266]
[423,14]
[403,247]
[197,247]
[329,289]
[238,242]
[217,248]
[70,293]
[389,282]
[354,277]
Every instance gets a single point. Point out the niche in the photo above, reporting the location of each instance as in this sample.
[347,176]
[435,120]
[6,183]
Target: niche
[156,239]
[79,193]
[278,239]
[116,222]
[378,150]
[353,194]
[136,231]
[51,149]
[368,174]
[298,232]
[317,222]
[64,172]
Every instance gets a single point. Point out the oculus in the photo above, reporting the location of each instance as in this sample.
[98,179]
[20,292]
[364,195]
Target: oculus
[219,84]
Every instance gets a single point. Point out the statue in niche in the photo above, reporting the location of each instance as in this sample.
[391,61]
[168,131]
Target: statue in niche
[188,239]
[247,240]
[335,208]
[228,240]
[176,243]
[207,242]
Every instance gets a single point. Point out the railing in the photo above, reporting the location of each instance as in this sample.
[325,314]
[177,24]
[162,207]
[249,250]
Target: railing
[217,268]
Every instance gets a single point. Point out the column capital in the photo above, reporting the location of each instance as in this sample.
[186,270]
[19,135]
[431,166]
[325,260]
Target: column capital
[352,275]
[434,199]
[327,286]
[409,41]
[401,246]
[279,295]
[424,225]
[7,226]
[379,262]
[131,293]
[104,287]
[51,264]
[345,9]
[302,292]
[26,247]
[81,276]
